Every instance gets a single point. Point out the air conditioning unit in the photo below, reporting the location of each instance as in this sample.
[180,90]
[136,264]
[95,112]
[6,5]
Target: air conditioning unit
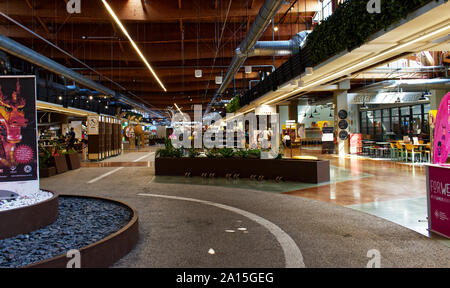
[219,80]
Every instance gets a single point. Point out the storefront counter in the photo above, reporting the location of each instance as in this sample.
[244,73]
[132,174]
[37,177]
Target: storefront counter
[438,196]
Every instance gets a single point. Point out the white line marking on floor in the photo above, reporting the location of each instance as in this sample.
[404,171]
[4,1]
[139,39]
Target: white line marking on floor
[292,254]
[117,169]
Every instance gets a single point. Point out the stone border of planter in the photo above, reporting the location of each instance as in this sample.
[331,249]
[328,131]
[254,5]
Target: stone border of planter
[105,252]
[307,171]
[29,218]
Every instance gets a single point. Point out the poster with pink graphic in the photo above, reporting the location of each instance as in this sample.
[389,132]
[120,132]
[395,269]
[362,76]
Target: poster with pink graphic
[438,182]
[18,135]
[441,147]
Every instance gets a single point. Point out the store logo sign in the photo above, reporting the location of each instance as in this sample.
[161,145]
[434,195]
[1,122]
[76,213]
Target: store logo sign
[374,6]
[73,6]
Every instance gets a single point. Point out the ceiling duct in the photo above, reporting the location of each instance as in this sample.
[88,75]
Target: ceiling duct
[262,20]
[279,48]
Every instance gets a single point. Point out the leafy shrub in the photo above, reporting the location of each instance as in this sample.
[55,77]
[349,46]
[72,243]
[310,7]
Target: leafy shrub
[226,152]
[233,105]
[351,25]
[169,151]
[192,153]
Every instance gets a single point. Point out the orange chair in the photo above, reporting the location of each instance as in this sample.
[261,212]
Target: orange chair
[427,153]
[410,150]
[401,152]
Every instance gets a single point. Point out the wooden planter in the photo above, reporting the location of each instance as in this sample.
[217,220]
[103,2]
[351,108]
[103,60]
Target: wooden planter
[60,164]
[307,171]
[28,218]
[73,161]
[47,172]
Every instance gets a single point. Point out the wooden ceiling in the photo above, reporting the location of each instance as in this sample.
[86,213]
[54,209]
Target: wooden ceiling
[176,36]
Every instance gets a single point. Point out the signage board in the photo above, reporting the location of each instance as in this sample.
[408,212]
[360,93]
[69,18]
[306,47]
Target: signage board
[18,135]
[355,143]
[441,139]
[438,193]
[92,125]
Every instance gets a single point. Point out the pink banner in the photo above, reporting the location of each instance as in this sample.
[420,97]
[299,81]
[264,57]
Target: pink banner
[439,200]
[441,147]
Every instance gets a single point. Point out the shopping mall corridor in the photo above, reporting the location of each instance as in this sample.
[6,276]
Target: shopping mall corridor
[202,223]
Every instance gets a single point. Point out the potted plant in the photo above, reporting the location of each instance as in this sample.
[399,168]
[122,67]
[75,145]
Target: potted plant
[46,169]
[59,158]
[73,159]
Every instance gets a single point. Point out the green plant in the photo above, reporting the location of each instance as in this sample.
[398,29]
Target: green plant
[233,105]
[241,154]
[45,156]
[226,152]
[169,151]
[351,25]
[213,153]
[192,153]
[254,153]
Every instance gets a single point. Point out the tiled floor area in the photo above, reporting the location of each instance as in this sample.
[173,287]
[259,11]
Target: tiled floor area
[386,189]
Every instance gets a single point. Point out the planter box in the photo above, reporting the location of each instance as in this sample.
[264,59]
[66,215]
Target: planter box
[47,172]
[307,171]
[60,164]
[73,161]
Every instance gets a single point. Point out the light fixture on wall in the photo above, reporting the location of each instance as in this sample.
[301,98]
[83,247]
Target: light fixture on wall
[138,51]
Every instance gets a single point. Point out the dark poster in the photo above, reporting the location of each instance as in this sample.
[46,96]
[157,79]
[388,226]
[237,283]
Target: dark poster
[18,149]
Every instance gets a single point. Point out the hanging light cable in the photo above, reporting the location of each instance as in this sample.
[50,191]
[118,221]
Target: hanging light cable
[111,12]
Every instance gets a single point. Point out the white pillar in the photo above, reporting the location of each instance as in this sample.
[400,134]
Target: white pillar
[341,102]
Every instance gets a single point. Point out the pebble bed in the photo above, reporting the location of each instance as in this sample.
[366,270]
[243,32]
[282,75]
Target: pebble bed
[80,222]
[25,200]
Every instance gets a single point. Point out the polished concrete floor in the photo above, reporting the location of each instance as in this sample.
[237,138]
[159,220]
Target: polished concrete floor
[331,225]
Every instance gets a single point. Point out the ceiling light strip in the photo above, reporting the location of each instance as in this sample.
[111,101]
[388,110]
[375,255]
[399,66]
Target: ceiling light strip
[133,43]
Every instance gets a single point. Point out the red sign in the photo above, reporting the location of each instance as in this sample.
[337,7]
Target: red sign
[438,181]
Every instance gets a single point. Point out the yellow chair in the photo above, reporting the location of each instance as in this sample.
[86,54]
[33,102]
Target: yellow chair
[394,151]
[427,152]
[410,150]
[400,151]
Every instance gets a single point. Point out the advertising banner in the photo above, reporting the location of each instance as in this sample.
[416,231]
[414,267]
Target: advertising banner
[355,143]
[18,134]
[441,139]
[438,188]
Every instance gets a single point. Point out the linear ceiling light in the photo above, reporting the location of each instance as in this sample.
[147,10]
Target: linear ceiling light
[401,46]
[132,43]
[178,108]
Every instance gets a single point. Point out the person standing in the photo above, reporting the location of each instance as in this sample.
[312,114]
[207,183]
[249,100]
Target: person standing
[71,139]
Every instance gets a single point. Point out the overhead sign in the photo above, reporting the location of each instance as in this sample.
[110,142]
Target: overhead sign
[266,110]
[18,135]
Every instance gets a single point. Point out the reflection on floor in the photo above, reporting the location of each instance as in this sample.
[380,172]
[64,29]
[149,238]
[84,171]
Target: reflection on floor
[336,175]
[410,213]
